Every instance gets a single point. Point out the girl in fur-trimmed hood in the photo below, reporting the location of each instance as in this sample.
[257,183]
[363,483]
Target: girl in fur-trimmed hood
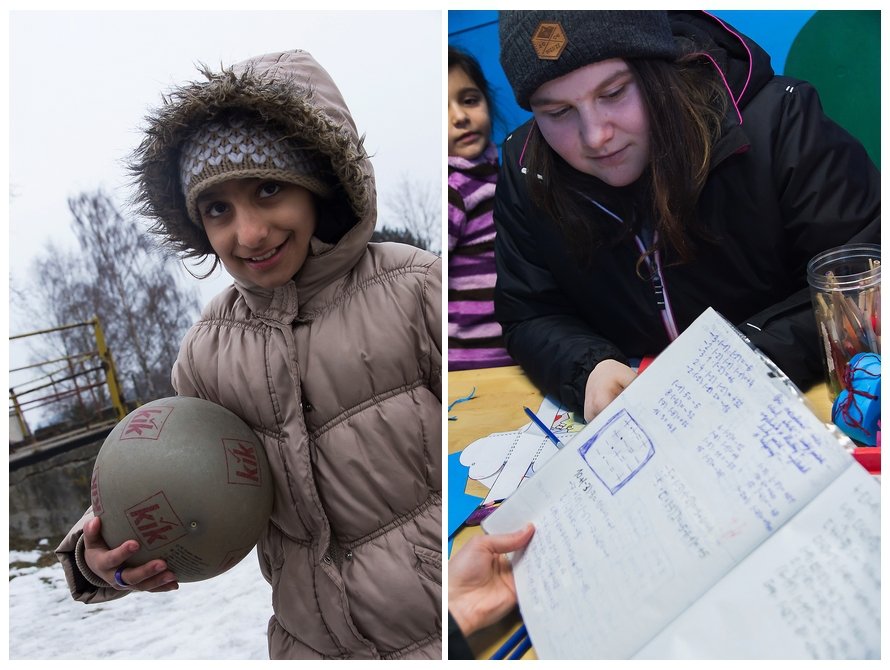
[328,346]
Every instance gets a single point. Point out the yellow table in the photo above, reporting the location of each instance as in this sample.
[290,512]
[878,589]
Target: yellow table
[497,406]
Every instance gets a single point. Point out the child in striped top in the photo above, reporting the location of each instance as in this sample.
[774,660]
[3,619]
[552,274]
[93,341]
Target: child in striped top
[474,337]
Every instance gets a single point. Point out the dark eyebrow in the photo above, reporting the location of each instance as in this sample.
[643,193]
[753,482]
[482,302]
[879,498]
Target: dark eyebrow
[605,83]
[206,194]
[468,89]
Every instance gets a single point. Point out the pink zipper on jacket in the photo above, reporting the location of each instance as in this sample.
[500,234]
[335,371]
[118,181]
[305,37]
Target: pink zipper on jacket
[655,273]
[658,283]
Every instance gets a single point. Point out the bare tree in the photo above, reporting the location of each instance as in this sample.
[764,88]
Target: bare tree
[119,275]
[59,297]
[417,210]
[389,234]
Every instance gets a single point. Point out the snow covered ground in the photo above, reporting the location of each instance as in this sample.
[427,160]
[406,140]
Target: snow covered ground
[221,618]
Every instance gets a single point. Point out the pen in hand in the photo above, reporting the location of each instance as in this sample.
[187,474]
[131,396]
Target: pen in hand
[540,424]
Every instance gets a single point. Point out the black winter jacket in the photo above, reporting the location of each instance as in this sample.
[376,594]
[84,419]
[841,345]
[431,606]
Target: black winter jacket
[785,184]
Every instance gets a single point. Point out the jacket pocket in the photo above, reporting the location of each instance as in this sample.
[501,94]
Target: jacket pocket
[429,570]
[297,601]
[429,563]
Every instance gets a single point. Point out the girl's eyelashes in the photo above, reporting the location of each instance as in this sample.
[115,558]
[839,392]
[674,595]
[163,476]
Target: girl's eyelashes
[214,209]
[620,87]
[269,188]
[615,92]
[557,113]
[610,94]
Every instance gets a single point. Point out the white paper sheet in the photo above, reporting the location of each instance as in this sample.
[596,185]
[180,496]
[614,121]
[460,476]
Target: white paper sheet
[502,461]
[812,590]
[700,460]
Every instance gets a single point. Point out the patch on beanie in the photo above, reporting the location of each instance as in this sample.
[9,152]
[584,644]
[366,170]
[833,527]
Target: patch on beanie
[549,40]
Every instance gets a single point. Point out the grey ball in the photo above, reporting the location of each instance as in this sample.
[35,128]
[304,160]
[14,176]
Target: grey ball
[188,480]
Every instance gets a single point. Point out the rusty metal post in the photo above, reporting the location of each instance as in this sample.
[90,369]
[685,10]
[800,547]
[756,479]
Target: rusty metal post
[110,371]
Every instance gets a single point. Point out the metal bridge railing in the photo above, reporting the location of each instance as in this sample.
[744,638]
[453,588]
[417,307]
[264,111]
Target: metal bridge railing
[70,379]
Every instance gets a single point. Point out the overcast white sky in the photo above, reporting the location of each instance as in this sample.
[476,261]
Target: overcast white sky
[80,83]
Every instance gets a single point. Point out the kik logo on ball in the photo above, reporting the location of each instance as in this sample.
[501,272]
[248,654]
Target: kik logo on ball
[154,522]
[145,423]
[242,462]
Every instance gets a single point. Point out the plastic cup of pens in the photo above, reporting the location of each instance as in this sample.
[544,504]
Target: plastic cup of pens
[845,284]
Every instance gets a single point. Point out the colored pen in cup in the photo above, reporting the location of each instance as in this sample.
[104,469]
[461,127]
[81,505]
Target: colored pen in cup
[540,424]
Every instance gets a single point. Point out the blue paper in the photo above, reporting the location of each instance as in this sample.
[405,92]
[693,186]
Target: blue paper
[460,503]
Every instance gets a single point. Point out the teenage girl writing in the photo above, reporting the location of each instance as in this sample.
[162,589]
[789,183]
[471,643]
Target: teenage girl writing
[666,169]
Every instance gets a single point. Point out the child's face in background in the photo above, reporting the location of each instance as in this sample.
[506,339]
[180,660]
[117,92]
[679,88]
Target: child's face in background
[259,228]
[596,120]
[469,126]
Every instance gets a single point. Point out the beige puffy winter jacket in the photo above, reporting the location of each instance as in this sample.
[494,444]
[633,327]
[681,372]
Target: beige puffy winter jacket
[339,373]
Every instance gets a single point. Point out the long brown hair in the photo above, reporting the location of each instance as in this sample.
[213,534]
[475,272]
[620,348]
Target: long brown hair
[686,103]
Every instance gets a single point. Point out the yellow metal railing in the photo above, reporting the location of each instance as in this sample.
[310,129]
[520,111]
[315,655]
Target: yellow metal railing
[22,399]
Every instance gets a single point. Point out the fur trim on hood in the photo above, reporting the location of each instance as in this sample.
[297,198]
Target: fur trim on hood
[289,90]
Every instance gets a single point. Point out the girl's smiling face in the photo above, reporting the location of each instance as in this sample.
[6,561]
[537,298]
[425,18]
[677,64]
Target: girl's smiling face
[469,124]
[259,228]
[595,119]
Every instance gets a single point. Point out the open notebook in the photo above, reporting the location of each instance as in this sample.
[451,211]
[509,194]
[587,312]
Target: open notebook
[706,513]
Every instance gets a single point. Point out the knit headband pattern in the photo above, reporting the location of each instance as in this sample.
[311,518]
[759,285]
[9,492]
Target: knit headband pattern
[235,148]
[538,46]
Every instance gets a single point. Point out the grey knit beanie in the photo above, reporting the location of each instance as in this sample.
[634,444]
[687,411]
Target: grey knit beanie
[236,147]
[537,46]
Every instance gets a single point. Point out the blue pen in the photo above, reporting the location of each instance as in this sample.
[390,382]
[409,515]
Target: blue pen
[547,431]
[518,638]
[524,645]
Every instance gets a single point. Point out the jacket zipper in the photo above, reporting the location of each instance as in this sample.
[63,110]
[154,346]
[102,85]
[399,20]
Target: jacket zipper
[659,287]
[655,274]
